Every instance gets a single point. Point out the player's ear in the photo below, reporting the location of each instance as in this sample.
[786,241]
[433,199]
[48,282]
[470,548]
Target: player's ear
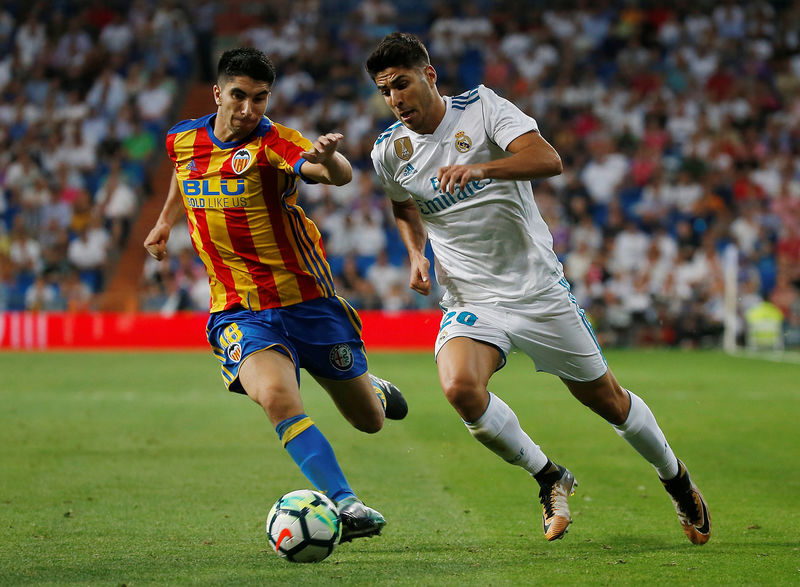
[430,75]
[217,95]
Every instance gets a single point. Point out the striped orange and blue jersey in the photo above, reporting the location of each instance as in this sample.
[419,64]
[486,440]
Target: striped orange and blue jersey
[258,246]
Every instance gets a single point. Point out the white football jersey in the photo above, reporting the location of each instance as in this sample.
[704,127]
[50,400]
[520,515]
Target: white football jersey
[490,241]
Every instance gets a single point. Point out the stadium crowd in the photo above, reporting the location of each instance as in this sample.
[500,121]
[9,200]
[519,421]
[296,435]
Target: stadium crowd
[678,125]
[87,91]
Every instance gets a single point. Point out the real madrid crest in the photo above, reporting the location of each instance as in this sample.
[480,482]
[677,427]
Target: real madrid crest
[241,160]
[403,148]
[463,142]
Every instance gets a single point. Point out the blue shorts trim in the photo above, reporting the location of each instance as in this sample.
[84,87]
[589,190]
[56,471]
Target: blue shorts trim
[323,336]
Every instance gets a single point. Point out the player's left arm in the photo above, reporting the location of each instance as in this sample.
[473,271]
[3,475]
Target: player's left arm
[324,163]
[532,157]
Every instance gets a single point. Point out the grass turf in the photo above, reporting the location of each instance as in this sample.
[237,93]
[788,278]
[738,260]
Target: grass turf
[138,469]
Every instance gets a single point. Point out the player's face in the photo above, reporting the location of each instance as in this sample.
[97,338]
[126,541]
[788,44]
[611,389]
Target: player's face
[241,102]
[412,96]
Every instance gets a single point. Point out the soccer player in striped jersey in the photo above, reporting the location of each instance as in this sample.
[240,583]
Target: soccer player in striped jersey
[458,172]
[273,305]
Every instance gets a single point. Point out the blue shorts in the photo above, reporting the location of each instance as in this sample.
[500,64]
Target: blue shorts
[323,336]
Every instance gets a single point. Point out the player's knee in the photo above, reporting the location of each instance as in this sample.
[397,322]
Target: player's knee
[461,391]
[369,423]
[274,402]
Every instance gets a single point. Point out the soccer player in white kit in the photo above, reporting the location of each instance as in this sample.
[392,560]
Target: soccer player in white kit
[458,172]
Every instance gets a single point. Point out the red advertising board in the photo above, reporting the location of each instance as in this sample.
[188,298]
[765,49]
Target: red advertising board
[411,330]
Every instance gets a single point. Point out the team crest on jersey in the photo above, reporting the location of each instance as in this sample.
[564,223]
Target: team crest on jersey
[234,352]
[403,148]
[241,160]
[341,357]
[463,142]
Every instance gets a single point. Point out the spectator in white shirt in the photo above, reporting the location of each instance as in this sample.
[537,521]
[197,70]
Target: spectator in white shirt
[605,171]
[117,202]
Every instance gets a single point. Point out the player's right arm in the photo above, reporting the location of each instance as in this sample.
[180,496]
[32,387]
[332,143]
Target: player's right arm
[412,231]
[156,241]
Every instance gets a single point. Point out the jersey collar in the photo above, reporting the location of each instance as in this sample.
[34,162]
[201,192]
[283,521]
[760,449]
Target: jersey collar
[447,121]
[259,131]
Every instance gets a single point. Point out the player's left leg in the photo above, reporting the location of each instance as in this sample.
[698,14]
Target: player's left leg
[394,404]
[465,366]
[634,421]
[366,400]
[327,334]
[359,403]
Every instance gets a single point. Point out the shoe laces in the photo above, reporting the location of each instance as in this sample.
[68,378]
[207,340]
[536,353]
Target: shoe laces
[686,503]
[551,495]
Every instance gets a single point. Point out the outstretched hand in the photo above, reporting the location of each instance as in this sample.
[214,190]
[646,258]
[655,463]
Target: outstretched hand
[324,148]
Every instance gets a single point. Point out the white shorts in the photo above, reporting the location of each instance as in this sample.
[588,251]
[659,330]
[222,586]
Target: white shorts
[552,330]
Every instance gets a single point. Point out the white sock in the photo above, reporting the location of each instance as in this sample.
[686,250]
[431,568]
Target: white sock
[641,431]
[499,430]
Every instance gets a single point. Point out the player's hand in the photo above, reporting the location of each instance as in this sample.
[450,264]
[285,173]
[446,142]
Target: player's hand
[156,241]
[324,148]
[419,280]
[458,175]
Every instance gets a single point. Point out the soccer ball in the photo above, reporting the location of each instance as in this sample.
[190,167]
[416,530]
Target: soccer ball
[303,526]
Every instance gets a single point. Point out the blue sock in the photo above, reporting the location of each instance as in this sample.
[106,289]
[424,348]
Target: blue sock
[313,454]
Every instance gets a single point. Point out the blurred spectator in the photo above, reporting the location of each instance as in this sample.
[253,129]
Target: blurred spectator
[604,172]
[153,101]
[76,294]
[117,202]
[88,252]
[30,39]
[42,296]
[117,36]
[24,251]
[354,288]
[384,276]
[107,94]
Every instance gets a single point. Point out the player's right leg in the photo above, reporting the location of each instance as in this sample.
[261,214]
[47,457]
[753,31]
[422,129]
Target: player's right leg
[465,366]
[689,505]
[269,378]
[633,420]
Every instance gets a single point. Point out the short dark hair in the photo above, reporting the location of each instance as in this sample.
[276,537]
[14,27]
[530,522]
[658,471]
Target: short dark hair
[398,50]
[245,61]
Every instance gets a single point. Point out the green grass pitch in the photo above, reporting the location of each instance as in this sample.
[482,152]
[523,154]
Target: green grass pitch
[139,469]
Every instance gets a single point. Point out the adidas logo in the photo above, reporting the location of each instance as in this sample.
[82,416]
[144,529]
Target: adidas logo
[191,166]
[409,170]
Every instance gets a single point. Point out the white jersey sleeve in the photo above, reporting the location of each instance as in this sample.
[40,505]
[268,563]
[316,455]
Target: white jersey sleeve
[502,120]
